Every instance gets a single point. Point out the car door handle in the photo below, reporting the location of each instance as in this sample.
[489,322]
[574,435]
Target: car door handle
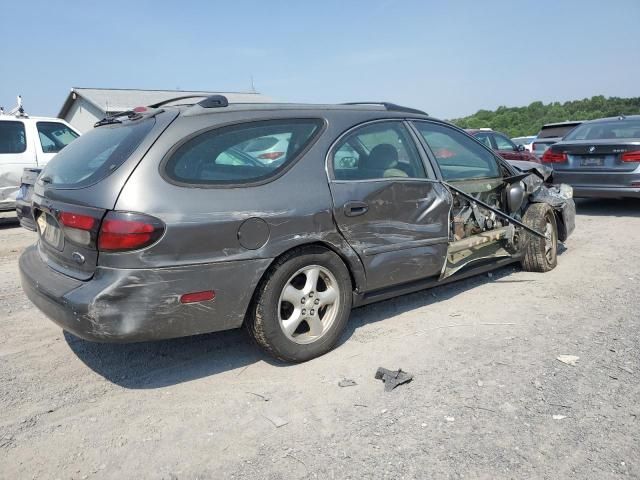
[353,209]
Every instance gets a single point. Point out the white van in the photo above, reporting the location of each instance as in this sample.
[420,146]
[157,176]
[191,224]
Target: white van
[27,142]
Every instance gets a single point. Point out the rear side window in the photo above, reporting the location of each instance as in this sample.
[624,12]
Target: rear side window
[95,154]
[554,131]
[459,156]
[243,153]
[54,136]
[12,137]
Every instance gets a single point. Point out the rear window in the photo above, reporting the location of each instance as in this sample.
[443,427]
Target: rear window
[12,137]
[615,129]
[54,136]
[95,154]
[220,156]
[556,130]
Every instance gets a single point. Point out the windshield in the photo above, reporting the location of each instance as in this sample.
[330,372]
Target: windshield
[96,154]
[614,129]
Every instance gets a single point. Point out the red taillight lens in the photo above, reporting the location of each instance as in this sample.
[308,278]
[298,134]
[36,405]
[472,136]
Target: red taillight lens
[198,296]
[76,220]
[553,157]
[633,156]
[122,231]
[270,155]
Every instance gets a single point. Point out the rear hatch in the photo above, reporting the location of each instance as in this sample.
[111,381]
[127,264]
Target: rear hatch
[82,183]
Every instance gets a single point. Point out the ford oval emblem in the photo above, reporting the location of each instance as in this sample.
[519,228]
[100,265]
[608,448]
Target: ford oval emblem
[592,149]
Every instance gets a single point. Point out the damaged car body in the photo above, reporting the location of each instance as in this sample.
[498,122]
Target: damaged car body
[157,225]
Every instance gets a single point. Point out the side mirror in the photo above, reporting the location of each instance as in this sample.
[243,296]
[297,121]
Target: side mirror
[515,194]
[520,148]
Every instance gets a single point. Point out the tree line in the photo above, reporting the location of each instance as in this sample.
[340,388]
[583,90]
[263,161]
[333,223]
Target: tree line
[521,121]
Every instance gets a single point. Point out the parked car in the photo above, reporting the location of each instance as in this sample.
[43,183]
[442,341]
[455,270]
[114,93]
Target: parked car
[144,234]
[27,143]
[599,158]
[526,142]
[267,149]
[551,133]
[502,144]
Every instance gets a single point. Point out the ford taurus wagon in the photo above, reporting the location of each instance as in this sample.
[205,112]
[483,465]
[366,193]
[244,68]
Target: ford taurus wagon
[160,223]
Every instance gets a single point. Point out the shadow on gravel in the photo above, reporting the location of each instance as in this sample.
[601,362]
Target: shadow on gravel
[162,363]
[10,222]
[159,364]
[608,207]
[399,305]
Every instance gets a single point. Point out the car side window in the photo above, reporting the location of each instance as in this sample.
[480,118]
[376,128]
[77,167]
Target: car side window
[458,155]
[376,151]
[484,138]
[503,143]
[247,152]
[54,136]
[12,137]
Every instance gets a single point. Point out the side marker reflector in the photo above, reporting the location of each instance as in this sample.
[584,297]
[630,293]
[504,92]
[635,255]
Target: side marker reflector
[195,297]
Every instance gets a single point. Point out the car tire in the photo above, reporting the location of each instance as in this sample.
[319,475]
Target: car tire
[541,254]
[287,297]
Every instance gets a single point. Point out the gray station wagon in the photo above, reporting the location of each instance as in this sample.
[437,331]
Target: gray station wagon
[157,223]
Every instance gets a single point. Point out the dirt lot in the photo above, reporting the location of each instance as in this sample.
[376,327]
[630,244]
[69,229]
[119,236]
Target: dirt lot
[489,398]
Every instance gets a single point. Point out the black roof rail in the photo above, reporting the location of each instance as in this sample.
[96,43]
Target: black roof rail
[174,99]
[214,101]
[391,107]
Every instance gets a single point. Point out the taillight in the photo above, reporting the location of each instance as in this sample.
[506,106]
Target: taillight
[123,231]
[76,220]
[632,156]
[77,227]
[553,157]
[270,155]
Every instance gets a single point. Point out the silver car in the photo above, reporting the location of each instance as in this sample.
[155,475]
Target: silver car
[157,225]
[600,158]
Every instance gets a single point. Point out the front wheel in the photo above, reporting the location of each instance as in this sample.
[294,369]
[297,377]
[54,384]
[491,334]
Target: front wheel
[302,306]
[541,254]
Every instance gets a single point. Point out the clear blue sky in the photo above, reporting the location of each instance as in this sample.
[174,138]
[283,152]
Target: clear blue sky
[449,58]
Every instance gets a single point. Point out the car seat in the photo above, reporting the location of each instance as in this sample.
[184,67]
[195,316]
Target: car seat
[382,162]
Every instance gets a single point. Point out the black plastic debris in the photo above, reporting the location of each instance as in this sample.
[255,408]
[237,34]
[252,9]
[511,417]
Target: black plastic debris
[347,382]
[392,378]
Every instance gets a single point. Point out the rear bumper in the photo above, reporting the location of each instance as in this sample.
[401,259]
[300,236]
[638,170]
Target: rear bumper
[601,184]
[130,305]
[25,214]
[606,192]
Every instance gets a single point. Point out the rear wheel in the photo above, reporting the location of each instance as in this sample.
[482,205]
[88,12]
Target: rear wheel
[302,306]
[541,254]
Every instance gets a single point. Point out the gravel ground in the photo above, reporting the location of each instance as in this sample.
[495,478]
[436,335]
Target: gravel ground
[489,398]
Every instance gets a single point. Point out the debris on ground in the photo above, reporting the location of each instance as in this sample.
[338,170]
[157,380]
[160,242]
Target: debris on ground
[559,417]
[347,382]
[392,378]
[568,359]
[263,397]
[277,421]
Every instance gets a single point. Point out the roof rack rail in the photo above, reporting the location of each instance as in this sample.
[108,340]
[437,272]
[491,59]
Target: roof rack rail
[391,107]
[210,101]
[174,99]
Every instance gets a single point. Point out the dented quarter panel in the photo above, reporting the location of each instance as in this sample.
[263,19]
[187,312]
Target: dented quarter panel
[125,305]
